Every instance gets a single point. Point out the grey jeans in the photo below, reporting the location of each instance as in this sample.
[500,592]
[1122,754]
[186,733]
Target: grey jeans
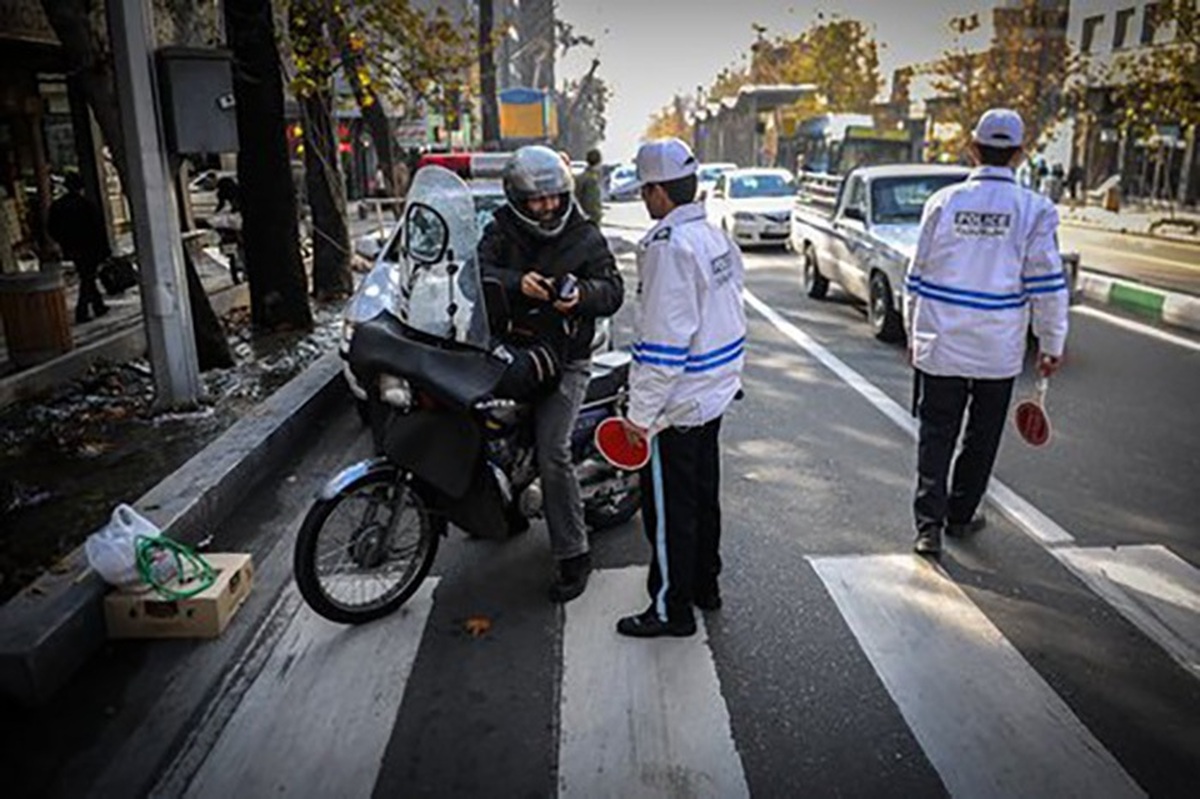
[554,419]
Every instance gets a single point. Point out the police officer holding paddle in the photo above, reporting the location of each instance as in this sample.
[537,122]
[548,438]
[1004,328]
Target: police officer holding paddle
[690,340]
[985,267]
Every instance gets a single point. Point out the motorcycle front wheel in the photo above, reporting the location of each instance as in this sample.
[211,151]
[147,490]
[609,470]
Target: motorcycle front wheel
[362,553]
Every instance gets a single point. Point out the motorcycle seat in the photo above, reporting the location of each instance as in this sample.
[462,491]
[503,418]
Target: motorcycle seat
[609,375]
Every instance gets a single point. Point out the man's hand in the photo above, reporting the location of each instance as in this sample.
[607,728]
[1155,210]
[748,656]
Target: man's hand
[1048,364]
[635,434]
[566,306]
[536,286]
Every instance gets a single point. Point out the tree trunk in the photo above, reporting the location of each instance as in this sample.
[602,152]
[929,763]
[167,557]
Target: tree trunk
[85,43]
[327,199]
[270,238]
[374,112]
[487,76]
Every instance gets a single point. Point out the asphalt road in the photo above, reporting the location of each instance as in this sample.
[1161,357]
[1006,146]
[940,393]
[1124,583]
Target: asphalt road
[1166,264]
[1054,655]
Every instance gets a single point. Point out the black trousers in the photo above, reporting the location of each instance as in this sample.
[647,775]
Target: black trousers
[681,514]
[89,298]
[941,404]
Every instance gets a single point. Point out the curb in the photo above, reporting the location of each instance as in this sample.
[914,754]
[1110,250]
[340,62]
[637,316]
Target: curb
[52,627]
[1180,310]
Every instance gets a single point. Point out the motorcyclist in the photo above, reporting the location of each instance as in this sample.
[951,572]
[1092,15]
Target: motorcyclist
[559,276]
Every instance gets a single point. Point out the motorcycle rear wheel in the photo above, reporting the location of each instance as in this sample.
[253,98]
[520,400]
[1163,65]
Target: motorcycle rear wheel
[361,554]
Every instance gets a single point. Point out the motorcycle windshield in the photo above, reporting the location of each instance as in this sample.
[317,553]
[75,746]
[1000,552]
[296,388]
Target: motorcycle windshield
[438,288]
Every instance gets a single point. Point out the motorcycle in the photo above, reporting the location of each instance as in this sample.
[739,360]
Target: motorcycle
[452,446]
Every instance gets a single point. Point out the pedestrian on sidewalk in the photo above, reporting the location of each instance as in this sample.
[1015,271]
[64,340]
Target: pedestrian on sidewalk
[559,275]
[77,225]
[986,261]
[587,188]
[690,338]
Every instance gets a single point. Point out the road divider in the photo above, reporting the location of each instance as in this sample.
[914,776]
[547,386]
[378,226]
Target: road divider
[1157,305]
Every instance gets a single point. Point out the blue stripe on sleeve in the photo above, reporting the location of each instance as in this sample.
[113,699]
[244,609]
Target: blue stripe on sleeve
[704,367]
[1048,289]
[651,360]
[661,349]
[1044,278]
[707,356]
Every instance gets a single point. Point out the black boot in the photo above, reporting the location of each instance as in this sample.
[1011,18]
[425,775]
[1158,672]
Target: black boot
[573,576]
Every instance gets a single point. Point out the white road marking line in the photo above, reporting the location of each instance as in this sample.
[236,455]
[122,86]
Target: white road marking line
[317,719]
[1136,327]
[1175,631]
[639,718]
[1152,587]
[984,717]
[1028,519]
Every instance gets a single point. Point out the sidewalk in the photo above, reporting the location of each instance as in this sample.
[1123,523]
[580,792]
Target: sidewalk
[117,336]
[1156,223]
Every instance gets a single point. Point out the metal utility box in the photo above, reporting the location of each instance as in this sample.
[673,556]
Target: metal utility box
[196,86]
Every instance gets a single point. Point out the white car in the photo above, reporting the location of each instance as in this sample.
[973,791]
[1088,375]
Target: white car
[622,184]
[754,206]
[707,174]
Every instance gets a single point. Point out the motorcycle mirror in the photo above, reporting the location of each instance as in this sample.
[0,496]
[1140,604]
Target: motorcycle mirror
[426,234]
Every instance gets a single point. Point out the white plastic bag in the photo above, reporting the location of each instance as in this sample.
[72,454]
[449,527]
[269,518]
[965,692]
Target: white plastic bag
[112,550]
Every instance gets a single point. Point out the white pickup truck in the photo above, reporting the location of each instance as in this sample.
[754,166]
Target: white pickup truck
[860,232]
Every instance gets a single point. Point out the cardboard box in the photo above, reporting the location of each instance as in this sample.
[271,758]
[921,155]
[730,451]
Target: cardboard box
[204,615]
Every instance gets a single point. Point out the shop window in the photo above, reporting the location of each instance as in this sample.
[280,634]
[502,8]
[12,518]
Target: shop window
[1152,20]
[1121,29]
[1090,26]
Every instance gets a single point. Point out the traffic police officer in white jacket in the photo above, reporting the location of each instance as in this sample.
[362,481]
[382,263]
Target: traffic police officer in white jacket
[986,264]
[688,354]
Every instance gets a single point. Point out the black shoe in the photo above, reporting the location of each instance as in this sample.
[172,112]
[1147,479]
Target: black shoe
[647,624]
[100,311]
[929,542]
[573,576]
[960,529]
[709,599]
[82,318]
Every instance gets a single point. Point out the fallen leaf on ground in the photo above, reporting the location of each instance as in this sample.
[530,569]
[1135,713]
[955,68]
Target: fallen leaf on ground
[478,626]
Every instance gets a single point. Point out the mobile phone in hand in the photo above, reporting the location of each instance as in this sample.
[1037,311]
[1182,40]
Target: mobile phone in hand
[568,285]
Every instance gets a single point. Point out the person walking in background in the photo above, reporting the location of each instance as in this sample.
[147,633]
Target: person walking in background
[690,341]
[77,225]
[587,188]
[986,259]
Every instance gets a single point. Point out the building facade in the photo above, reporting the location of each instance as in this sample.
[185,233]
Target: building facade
[1153,158]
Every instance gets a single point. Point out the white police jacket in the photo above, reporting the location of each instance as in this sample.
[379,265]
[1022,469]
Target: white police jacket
[690,333]
[986,259]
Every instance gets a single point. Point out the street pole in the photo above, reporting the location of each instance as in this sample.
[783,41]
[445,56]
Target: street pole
[165,309]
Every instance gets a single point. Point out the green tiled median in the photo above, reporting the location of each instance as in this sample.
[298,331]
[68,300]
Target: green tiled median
[1140,301]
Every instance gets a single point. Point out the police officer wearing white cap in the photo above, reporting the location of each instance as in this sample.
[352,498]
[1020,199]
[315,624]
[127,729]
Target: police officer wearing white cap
[986,265]
[688,353]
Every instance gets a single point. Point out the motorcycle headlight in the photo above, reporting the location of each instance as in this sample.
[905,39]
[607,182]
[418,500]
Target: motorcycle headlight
[395,391]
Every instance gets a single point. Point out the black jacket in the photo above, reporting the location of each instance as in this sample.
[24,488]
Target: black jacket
[508,250]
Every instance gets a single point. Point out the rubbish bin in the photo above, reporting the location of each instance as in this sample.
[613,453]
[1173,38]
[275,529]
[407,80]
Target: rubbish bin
[34,308]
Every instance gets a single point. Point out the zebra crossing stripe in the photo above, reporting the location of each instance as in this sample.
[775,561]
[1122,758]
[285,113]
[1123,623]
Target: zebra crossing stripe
[317,719]
[639,718]
[984,717]
[1152,587]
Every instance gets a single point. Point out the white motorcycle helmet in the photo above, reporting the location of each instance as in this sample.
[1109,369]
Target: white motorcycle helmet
[537,171]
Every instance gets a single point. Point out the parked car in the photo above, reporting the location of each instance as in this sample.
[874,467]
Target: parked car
[707,174]
[861,232]
[753,205]
[623,185]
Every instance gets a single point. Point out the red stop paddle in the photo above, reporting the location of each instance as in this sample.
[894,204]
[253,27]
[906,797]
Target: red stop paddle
[620,446]
[1030,416]
[629,450]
